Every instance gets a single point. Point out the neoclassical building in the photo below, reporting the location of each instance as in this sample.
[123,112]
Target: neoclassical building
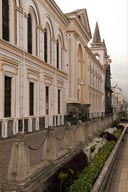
[48,74]
[78,37]
[33,65]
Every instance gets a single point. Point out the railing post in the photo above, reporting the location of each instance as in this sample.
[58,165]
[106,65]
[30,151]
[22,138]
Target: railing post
[79,134]
[90,130]
[49,147]
[58,120]
[30,125]
[86,131]
[4,129]
[19,165]
[37,124]
[16,126]
[68,141]
[99,125]
[46,122]
[62,119]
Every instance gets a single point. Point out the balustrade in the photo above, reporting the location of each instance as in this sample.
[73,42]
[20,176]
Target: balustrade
[10,126]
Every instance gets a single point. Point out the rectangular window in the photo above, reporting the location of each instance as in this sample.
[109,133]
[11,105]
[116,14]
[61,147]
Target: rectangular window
[58,101]
[31,99]
[5,19]
[47,100]
[7,96]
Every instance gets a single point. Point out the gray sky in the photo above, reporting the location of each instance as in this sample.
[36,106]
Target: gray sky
[113,24]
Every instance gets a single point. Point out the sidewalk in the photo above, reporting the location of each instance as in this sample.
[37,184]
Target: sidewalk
[118,181]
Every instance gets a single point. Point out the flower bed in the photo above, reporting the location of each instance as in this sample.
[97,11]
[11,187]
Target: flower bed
[88,176]
[92,148]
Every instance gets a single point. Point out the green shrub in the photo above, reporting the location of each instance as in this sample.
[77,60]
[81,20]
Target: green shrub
[80,185]
[66,174]
[115,123]
[117,133]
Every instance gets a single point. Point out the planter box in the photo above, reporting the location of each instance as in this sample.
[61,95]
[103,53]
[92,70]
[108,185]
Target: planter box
[103,177]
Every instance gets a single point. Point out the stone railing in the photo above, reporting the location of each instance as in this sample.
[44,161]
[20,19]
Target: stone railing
[56,148]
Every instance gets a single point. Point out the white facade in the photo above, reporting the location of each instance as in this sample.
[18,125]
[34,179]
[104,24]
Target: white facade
[24,68]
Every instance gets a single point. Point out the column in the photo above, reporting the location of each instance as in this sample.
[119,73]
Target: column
[30,125]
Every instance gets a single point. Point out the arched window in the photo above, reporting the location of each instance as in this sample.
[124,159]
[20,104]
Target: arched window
[29,34]
[57,54]
[45,45]
[5,20]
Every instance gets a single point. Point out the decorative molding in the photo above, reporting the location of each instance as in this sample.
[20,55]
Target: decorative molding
[60,84]
[48,79]
[33,74]
[8,62]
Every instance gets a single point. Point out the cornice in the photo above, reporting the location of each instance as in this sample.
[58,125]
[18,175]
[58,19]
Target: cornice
[57,11]
[79,27]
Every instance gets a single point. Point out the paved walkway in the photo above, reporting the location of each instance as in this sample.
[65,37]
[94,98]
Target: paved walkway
[118,181]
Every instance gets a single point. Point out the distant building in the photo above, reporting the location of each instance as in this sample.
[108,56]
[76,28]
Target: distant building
[96,80]
[98,47]
[118,100]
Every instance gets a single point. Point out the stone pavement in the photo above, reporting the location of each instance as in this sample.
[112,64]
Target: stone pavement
[118,181]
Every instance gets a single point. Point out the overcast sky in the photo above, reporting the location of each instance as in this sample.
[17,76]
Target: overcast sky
[112,17]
